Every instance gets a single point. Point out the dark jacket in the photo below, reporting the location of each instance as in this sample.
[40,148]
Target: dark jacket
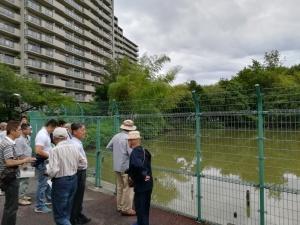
[139,168]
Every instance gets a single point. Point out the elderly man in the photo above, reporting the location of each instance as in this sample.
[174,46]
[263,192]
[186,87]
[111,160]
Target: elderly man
[9,165]
[77,216]
[121,153]
[64,161]
[23,149]
[141,173]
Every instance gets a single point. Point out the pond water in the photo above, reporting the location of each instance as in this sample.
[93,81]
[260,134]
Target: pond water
[229,165]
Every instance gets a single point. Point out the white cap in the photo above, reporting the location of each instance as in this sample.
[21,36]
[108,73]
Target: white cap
[60,132]
[134,135]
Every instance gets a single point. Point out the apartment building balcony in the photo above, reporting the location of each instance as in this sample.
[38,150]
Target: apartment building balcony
[75,51]
[106,8]
[33,49]
[10,60]
[9,30]
[90,25]
[39,23]
[73,27]
[10,15]
[89,66]
[45,12]
[75,62]
[52,81]
[9,45]
[90,88]
[73,15]
[75,5]
[37,64]
[14,3]
[105,16]
[39,36]
[89,14]
[73,85]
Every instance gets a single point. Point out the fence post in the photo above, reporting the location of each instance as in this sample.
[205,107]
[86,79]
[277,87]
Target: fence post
[98,156]
[261,157]
[116,116]
[198,153]
[80,108]
[64,109]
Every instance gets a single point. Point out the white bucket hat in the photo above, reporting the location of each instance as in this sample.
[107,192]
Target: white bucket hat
[134,135]
[128,125]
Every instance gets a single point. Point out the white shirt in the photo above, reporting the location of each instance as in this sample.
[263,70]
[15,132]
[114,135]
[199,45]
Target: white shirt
[2,135]
[78,143]
[64,160]
[43,139]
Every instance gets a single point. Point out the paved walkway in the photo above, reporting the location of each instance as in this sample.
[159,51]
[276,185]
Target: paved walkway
[101,208]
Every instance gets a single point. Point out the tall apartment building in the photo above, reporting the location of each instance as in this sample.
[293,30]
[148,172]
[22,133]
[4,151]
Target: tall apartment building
[122,45]
[64,44]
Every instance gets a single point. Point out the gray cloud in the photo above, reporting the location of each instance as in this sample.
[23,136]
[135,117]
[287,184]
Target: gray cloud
[212,39]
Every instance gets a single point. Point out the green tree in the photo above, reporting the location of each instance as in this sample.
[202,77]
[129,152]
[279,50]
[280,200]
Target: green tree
[30,91]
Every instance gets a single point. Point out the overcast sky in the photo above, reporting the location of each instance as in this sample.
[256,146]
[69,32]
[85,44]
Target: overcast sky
[212,39]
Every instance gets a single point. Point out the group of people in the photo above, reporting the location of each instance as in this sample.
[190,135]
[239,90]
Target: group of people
[60,165]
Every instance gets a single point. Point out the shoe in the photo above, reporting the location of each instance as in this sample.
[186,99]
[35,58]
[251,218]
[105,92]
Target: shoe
[130,212]
[43,210]
[48,203]
[27,198]
[24,202]
[83,220]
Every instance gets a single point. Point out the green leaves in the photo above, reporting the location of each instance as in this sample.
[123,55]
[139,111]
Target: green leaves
[30,91]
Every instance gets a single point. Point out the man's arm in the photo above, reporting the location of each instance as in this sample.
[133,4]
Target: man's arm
[40,151]
[110,144]
[17,162]
[82,162]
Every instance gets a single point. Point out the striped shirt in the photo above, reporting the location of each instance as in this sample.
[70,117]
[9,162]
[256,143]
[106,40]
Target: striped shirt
[7,151]
[64,160]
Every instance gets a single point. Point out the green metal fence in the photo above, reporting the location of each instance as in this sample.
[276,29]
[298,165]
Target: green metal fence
[231,157]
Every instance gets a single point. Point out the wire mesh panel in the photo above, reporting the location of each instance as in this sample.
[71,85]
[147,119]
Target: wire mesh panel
[234,162]
[282,152]
[229,167]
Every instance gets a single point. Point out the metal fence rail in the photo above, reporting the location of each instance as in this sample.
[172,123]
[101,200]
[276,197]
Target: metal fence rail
[226,158]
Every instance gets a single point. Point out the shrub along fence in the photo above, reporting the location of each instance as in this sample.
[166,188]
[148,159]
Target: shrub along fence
[231,157]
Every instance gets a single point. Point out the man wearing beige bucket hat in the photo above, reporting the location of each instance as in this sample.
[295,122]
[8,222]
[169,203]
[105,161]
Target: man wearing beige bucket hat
[121,152]
[140,172]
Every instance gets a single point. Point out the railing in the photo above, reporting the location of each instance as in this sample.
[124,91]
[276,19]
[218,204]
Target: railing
[7,59]
[7,43]
[7,12]
[6,27]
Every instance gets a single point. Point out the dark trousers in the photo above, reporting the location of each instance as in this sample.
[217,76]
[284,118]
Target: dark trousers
[142,206]
[63,191]
[9,216]
[76,213]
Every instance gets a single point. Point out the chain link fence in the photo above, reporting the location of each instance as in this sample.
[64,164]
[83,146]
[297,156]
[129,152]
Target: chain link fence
[228,157]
